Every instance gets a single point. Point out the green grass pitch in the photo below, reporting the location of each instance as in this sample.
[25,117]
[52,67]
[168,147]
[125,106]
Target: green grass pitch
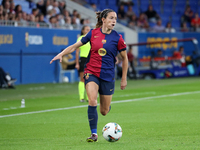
[153,114]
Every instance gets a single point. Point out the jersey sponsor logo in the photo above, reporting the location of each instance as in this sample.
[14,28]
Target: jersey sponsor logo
[102,52]
[103,41]
[96,36]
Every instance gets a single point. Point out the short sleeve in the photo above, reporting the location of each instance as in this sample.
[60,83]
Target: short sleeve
[121,46]
[86,38]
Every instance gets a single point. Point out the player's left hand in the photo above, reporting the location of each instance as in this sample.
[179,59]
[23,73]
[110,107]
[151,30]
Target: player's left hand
[56,58]
[123,84]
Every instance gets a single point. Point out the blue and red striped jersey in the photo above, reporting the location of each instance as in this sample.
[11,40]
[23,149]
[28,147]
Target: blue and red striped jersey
[102,56]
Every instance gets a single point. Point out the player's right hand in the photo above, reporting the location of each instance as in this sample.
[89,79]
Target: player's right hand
[56,58]
[77,66]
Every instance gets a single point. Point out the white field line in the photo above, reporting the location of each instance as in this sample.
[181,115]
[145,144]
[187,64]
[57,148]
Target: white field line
[126,95]
[121,101]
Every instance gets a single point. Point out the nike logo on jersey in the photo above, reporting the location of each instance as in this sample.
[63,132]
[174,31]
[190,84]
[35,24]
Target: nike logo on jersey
[111,89]
[96,36]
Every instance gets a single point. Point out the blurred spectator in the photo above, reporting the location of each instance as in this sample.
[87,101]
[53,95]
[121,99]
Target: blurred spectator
[49,5]
[19,18]
[195,23]
[130,12]
[7,7]
[188,14]
[32,20]
[53,22]
[184,27]
[66,14]
[35,11]
[159,53]
[159,27]
[76,18]
[6,16]
[1,9]
[169,28]
[83,22]
[126,2]
[74,22]
[142,22]
[180,55]
[55,7]
[42,7]
[50,13]
[41,20]
[134,19]
[12,7]
[93,7]
[60,19]
[62,6]
[45,10]
[1,17]
[24,16]
[132,25]
[37,18]
[11,16]
[121,13]
[18,8]
[68,23]
[132,72]
[151,14]
[74,13]
[195,58]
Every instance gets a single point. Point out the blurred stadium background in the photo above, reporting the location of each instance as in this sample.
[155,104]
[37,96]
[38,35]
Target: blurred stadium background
[154,114]
[33,31]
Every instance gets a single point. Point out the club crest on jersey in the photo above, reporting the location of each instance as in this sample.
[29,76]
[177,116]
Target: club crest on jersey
[103,41]
[87,76]
[102,52]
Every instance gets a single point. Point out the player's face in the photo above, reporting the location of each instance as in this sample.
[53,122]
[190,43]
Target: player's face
[86,30]
[111,20]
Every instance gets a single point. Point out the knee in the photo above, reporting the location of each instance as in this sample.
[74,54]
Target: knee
[92,102]
[104,112]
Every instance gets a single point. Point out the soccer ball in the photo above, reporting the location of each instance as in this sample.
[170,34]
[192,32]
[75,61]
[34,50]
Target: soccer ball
[112,132]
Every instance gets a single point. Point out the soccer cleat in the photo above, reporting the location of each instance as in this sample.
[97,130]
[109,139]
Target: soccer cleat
[82,100]
[93,138]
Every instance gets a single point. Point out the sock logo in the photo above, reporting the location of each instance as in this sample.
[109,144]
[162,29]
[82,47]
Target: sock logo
[91,119]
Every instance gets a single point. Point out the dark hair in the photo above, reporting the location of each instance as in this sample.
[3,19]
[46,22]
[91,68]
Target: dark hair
[100,15]
[83,28]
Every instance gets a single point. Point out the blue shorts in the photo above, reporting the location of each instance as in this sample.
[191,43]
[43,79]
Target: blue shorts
[105,87]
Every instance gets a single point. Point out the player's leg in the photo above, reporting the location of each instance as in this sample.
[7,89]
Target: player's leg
[92,88]
[81,87]
[106,90]
[105,101]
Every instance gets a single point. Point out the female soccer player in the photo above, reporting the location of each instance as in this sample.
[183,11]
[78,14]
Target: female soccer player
[84,51]
[100,66]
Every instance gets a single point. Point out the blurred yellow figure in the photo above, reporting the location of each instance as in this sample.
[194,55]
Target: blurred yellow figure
[83,52]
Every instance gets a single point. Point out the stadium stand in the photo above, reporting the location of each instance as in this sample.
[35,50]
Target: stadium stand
[173,11]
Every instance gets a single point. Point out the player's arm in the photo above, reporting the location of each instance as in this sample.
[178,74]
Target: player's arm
[66,51]
[124,69]
[77,58]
